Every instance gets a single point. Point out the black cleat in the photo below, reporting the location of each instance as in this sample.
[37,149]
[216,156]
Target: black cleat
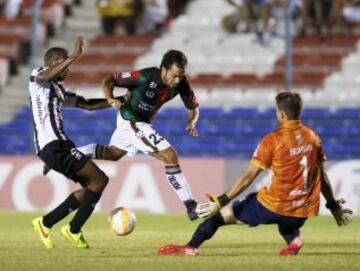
[46,169]
[191,207]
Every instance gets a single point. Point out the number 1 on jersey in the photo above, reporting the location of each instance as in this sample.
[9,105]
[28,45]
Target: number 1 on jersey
[304,163]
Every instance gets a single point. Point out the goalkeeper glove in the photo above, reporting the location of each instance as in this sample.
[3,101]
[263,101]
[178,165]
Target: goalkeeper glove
[208,209]
[342,215]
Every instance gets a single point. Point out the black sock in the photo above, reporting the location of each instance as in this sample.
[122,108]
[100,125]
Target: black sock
[65,208]
[206,230]
[85,210]
[190,204]
[99,151]
[289,234]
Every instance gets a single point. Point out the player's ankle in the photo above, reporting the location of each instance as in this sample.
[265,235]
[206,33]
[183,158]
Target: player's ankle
[190,204]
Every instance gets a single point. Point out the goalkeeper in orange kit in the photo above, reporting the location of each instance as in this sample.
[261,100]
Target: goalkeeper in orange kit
[294,154]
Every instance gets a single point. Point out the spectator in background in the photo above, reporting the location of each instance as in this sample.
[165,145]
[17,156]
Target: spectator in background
[345,12]
[351,12]
[254,13]
[125,11]
[232,21]
[154,16]
[278,13]
[12,9]
[318,12]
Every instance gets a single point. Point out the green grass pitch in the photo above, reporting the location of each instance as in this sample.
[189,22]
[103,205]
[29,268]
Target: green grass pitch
[327,247]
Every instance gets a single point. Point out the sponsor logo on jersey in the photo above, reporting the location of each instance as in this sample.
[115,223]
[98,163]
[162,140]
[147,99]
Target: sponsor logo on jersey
[146,107]
[152,84]
[39,108]
[150,94]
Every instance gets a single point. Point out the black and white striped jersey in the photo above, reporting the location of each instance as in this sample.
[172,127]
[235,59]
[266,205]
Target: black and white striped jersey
[46,101]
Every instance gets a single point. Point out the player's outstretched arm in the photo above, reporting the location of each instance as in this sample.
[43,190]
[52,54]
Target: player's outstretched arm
[341,215]
[243,182]
[55,70]
[205,210]
[89,104]
[193,118]
[108,89]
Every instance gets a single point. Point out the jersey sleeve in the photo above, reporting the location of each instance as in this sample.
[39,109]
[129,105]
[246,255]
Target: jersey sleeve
[126,79]
[187,95]
[264,152]
[34,73]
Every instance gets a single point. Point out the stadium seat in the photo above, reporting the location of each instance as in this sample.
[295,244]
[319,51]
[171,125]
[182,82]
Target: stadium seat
[226,133]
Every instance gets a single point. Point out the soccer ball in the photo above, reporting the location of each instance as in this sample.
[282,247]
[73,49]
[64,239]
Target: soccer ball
[121,221]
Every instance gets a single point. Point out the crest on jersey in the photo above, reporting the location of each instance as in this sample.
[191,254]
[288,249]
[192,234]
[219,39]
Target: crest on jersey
[298,137]
[150,94]
[152,84]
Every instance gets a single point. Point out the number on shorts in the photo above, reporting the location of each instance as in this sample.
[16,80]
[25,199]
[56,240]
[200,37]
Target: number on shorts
[156,138]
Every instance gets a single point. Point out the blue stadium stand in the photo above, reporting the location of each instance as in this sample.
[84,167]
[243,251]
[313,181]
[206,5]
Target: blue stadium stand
[223,133]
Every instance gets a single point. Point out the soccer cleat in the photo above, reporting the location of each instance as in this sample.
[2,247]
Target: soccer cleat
[191,209]
[178,250]
[46,169]
[43,232]
[293,248]
[76,239]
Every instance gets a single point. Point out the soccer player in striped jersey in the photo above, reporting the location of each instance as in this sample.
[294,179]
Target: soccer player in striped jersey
[294,154]
[47,98]
[148,89]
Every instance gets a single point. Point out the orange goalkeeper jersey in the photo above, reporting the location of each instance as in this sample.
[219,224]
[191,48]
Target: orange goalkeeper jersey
[293,153]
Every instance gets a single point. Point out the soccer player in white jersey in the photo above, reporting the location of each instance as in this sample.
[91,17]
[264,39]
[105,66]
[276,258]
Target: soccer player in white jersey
[57,151]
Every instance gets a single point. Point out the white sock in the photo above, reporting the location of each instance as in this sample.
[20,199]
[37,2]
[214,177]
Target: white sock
[88,150]
[178,182]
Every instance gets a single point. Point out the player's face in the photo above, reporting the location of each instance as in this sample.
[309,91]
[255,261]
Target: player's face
[171,77]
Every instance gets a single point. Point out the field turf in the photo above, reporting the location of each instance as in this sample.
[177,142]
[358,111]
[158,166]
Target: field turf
[327,247]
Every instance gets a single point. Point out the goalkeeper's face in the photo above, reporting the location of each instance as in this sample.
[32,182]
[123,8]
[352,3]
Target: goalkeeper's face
[171,77]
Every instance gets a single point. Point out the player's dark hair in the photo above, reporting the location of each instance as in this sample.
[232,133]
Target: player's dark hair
[55,52]
[174,57]
[290,103]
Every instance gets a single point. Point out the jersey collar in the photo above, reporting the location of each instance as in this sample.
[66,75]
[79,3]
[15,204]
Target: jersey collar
[291,124]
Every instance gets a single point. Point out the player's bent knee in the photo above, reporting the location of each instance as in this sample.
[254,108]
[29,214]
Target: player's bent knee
[114,154]
[104,181]
[227,213]
[98,185]
[170,156]
[100,182]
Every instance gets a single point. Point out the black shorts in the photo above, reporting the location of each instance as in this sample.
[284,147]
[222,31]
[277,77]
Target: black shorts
[63,157]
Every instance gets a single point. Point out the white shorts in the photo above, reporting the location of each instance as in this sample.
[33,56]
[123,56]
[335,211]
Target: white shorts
[133,136]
